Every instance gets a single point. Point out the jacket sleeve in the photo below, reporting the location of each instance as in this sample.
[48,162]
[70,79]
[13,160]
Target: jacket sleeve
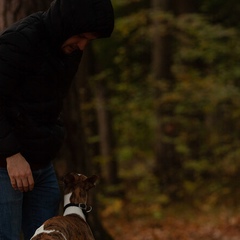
[11,60]
[8,142]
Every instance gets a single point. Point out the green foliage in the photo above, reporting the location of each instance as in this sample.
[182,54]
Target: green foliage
[207,87]
[204,100]
[130,94]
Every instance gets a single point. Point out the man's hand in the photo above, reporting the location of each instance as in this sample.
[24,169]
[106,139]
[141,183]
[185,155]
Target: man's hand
[20,173]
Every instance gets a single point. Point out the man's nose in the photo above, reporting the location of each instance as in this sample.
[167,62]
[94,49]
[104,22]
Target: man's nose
[83,43]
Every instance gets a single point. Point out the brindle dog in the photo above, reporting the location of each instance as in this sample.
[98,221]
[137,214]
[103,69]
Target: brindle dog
[72,225]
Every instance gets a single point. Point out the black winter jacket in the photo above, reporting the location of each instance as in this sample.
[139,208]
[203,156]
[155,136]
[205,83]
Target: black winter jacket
[35,75]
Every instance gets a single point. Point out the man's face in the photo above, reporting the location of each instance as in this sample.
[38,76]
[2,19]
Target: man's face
[77,42]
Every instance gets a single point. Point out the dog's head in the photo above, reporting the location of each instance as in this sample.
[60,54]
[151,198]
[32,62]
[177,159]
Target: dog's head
[78,185]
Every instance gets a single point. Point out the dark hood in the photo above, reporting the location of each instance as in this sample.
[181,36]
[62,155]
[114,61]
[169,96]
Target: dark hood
[66,18]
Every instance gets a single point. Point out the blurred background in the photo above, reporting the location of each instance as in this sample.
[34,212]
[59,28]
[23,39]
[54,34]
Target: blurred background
[154,112]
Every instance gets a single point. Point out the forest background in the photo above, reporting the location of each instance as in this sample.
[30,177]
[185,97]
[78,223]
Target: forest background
[154,111]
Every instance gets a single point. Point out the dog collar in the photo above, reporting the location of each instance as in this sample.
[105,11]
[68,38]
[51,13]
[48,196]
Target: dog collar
[86,209]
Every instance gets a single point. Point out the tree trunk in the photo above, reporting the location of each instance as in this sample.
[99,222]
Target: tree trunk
[74,151]
[186,6]
[12,10]
[168,162]
[108,165]
[166,158]
[107,142]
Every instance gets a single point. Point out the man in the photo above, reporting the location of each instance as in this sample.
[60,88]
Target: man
[39,57]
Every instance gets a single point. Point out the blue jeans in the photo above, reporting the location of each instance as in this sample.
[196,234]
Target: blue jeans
[27,211]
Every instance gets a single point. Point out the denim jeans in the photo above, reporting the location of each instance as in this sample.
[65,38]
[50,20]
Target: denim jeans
[27,211]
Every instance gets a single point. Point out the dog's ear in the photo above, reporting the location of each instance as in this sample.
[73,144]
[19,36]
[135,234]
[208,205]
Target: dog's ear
[90,182]
[68,178]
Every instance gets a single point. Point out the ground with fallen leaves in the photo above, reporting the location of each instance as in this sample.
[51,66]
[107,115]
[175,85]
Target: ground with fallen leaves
[220,224]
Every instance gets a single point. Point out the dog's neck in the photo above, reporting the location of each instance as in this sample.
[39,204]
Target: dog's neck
[72,209]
